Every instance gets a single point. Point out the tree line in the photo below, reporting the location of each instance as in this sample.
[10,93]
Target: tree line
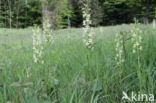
[68,13]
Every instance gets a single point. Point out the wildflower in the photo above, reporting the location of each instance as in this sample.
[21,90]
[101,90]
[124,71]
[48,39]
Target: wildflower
[134,35]
[119,49]
[154,24]
[140,48]
[134,51]
[136,39]
[47,30]
[28,72]
[88,33]
[101,29]
[137,47]
[37,45]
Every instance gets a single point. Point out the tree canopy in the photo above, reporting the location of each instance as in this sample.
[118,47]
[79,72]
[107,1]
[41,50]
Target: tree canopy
[68,13]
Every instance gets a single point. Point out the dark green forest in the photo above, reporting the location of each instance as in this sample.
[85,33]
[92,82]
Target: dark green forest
[68,13]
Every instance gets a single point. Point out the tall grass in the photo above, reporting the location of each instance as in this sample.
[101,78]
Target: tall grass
[72,73]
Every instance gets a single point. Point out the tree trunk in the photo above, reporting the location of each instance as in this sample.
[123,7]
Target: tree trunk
[46,12]
[147,12]
[44,8]
[5,13]
[17,13]
[0,13]
[154,24]
[69,22]
[10,13]
[26,14]
[0,7]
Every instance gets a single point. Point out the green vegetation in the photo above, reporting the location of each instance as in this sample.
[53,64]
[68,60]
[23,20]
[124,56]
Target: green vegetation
[41,61]
[66,13]
[71,73]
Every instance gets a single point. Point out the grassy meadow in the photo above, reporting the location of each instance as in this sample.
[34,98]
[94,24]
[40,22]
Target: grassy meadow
[71,73]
